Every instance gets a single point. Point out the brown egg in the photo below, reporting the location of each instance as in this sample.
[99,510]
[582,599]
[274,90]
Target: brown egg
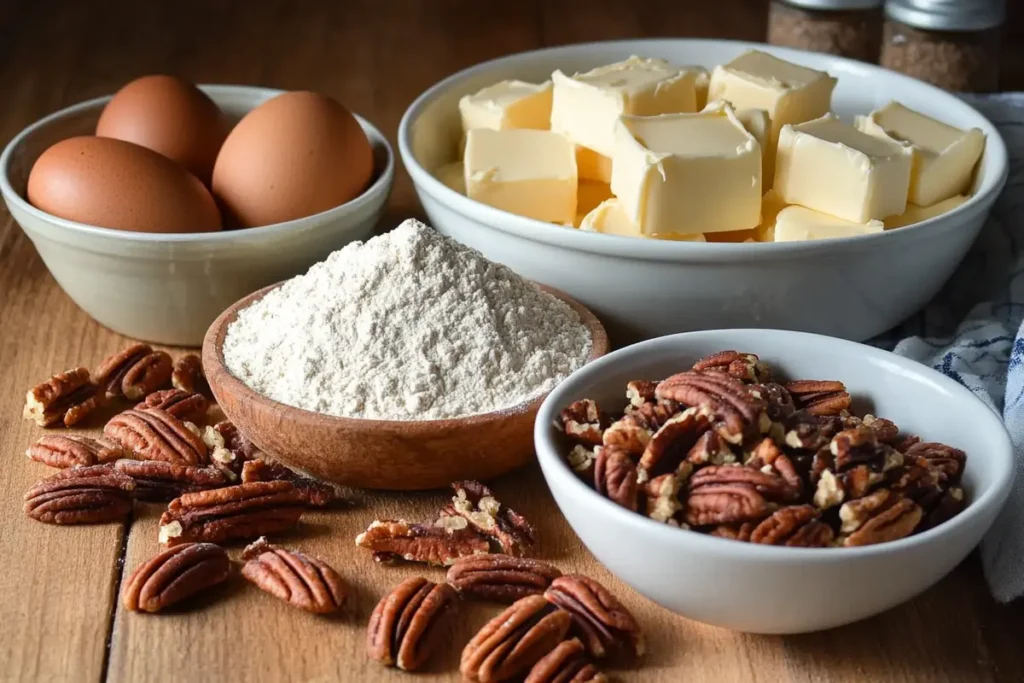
[293,156]
[116,184]
[170,116]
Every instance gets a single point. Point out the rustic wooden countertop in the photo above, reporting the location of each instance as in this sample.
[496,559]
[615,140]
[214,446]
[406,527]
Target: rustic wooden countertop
[60,619]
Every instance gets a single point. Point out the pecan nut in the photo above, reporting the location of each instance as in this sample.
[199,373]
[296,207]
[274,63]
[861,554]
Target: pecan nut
[667,448]
[631,433]
[313,492]
[403,629]
[946,461]
[746,367]
[641,391]
[795,526]
[661,498]
[476,503]
[582,422]
[949,505]
[581,460]
[134,372]
[819,397]
[234,512]
[737,409]
[600,621]
[81,495]
[440,543]
[72,450]
[156,435]
[190,407]
[187,374]
[860,446]
[615,477]
[500,578]
[710,449]
[175,574]
[567,663]
[734,532]
[302,581]
[509,645]
[229,448]
[769,458]
[159,482]
[879,517]
[733,494]
[66,398]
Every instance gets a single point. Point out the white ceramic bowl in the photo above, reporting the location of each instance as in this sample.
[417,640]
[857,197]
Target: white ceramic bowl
[169,288]
[853,288]
[768,589]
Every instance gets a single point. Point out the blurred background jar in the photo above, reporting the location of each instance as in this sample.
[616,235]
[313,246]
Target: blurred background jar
[849,28]
[953,44]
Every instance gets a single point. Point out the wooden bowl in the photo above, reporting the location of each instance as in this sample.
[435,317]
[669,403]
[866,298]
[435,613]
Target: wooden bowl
[379,454]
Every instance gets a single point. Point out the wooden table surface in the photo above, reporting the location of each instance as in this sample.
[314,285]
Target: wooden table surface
[59,616]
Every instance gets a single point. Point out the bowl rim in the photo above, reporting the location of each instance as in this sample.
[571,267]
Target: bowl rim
[558,474]
[669,250]
[213,361]
[382,182]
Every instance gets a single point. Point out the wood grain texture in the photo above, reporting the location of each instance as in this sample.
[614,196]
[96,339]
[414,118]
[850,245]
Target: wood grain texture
[57,598]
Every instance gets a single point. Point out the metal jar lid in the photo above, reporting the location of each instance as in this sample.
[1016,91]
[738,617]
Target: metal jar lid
[947,15]
[831,5]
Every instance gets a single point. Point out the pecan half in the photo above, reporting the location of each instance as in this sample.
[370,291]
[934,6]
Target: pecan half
[156,435]
[710,449]
[404,626]
[81,495]
[737,409]
[187,374]
[134,372]
[615,476]
[661,498]
[734,532]
[945,460]
[500,578]
[641,391]
[885,430]
[441,543]
[302,581]
[175,574]
[878,518]
[242,511]
[781,408]
[796,525]
[582,422]
[509,645]
[184,405]
[157,481]
[743,366]
[581,460]
[313,492]
[819,397]
[66,398]
[73,450]
[667,448]
[604,625]
[860,446]
[567,663]
[229,448]
[476,503]
[732,494]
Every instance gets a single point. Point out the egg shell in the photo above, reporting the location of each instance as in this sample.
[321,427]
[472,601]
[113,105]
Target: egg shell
[169,116]
[116,184]
[295,155]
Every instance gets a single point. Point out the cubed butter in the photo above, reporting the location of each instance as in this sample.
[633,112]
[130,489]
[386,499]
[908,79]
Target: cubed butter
[586,106]
[771,205]
[944,156]
[916,214]
[758,124]
[590,193]
[508,104]
[453,175]
[528,172]
[609,218]
[687,173]
[591,165]
[701,84]
[797,223]
[830,166]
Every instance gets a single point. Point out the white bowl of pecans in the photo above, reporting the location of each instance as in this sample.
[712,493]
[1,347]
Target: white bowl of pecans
[770,481]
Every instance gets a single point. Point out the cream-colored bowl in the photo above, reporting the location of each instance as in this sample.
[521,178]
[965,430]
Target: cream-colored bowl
[169,288]
[854,288]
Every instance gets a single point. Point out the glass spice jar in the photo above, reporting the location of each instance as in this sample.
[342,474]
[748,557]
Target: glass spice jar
[953,44]
[849,28]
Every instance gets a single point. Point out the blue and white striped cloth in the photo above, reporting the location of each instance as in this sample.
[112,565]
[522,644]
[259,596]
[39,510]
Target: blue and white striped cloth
[973,333]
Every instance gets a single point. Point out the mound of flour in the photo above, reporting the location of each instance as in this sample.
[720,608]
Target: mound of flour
[406,326]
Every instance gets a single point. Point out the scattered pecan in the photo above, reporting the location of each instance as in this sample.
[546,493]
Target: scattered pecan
[500,578]
[581,460]
[670,445]
[183,405]
[877,518]
[81,495]
[819,397]
[737,409]
[302,581]
[72,450]
[229,448]
[795,525]
[582,422]
[509,645]
[945,460]
[743,366]
[313,492]
[567,663]
[441,543]
[403,629]
[66,398]
[187,374]
[641,391]
[175,574]
[134,372]
[234,512]
[615,476]
[156,435]
[476,503]
[604,625]
[661,498]
[710,449]
[158,481]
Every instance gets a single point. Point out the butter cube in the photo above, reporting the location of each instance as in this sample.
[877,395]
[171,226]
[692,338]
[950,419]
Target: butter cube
[586,106]
[609,218]
[944,156]
[916,214]
[593,166]
[508,104]
[830,166]
[528,172]
[758,124]
[771,205]
[453,175]
[687,173]
[701,83]
[590,193]
[796,223]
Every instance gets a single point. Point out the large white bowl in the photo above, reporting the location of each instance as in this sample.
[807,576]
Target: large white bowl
[169,288]
[853,288]
[769,589]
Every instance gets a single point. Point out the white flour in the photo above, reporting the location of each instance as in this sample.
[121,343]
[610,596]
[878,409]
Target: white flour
[407,326]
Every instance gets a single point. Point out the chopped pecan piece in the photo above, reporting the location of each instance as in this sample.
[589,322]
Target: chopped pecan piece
[710,449]
[72,450]
[641,391]
[604,625]
[187,374]
[403,629]
[945,460]
[509,645]
[440,543]
[234,512]
[66,398]
[746,367]
[567,663]
[134,372]
[661,498]
[582,422]
[819,397]
[302,581]
[313,492]
[156,435]
[951,504]
[769,458]
[229,449]
[667,448]
[780,405]
[81,495]
[737,410]
[157,481]
[501,578]
[860,446]
[885,430]
[631,433]
[877,518]
[796,525]
[190,407]
[615,477]
[581,460]
[175,574]
[476,503]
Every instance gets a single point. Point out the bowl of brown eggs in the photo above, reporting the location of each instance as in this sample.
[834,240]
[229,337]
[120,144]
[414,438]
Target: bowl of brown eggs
[158,207]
